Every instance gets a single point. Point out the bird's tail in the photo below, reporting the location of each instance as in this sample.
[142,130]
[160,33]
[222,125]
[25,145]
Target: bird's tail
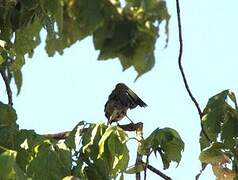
[140,102]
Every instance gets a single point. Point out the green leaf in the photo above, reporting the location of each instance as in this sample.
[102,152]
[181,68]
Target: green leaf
[1,59]
[214,154]
[104,138]
[18,80]
[7,160]
[229,128]
[132,43]
[28,38]
[92,173]
[28,139]
[54,8]
[114,145]
[95,136]
[23,158]
[50,162]
[136,168]
[8,166]
[220,120]
[157,10]
[8,126]
[88,14]
[76,132]
[113,149]
[167,142]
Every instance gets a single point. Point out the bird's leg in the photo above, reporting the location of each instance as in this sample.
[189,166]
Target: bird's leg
[130,119]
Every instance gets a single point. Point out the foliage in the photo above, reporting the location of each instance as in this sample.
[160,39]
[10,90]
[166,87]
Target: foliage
[91,151]
[127,32]
[220,121]
[167,143]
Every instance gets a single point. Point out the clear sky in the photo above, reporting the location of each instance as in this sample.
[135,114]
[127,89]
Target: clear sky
[59,92]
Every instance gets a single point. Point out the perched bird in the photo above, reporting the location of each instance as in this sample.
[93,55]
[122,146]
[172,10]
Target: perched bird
[119,101]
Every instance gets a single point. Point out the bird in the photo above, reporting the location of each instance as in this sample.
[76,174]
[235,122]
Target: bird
[119,101]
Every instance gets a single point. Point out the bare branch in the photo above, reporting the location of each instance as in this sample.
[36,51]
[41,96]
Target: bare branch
[146,165]
[57,136]
[64,135]
[182,71]
[139,137]
[158,172]
[131,126]
[8,88]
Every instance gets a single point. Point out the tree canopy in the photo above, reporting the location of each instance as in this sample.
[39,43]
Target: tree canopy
[126,30]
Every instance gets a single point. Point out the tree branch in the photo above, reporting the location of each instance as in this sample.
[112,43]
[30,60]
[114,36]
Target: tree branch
[158,172]
[64,135]
[146,165]
[182,71]
[8,88]
[57,136]
[131,126]
[139,137]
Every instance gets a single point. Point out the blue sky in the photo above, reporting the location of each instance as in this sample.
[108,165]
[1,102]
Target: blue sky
[58,92]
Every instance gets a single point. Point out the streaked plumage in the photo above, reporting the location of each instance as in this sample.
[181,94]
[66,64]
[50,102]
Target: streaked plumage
[120,100]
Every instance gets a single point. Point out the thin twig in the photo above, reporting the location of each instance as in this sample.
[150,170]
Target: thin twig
[158,172]
[182,71]
[8,88]
[146,165]
[138,160]
[139,137]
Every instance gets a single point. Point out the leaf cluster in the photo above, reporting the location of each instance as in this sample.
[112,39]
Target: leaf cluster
[127,32]
[220,121]
[91,151]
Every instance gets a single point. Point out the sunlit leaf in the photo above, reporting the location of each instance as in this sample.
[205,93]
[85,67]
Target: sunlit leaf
[76,132]
[1,60]
[214,154]
[103,139]
[50,162]
[8,167]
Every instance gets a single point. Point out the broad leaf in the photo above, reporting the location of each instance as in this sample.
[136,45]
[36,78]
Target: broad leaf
[167,142]
[214,155]
[71,141]
[8,166]
[8,126]
[50,162]
[220,120]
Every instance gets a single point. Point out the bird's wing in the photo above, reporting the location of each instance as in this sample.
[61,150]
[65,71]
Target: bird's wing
[108,109]
[135,99]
